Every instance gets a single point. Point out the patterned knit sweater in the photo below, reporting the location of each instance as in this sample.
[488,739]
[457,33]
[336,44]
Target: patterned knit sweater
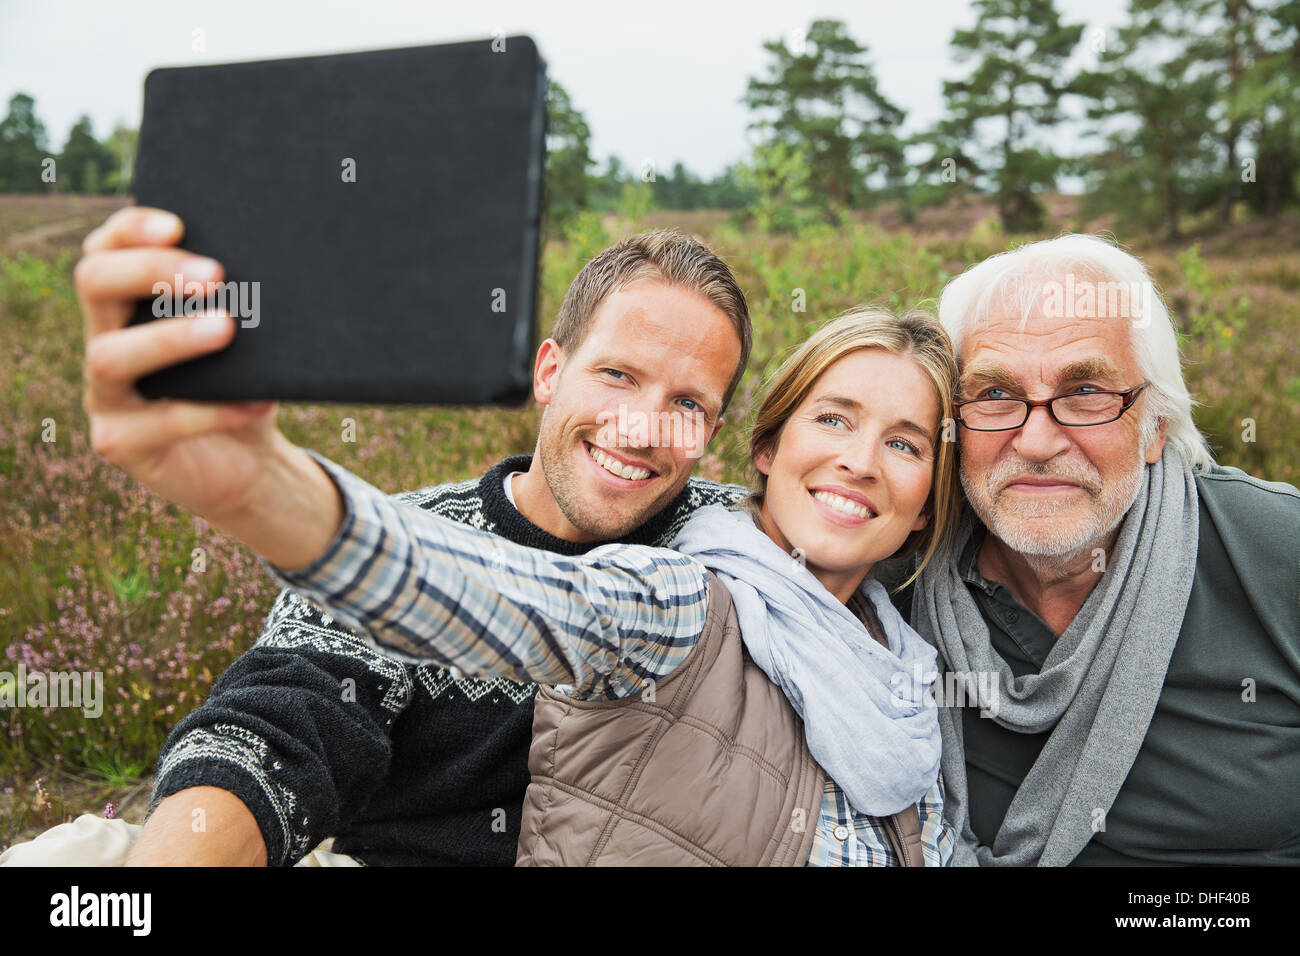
[320,735]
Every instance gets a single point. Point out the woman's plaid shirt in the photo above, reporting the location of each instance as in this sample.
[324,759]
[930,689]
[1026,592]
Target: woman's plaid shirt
[602,626]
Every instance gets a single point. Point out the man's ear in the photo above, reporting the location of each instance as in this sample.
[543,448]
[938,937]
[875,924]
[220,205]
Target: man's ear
[550,359]
[717,427]
[1158,443]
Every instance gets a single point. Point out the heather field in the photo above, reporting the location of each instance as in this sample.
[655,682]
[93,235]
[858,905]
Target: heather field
[97,575]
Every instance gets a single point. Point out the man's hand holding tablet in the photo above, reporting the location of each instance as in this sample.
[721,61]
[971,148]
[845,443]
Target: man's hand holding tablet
[418,286]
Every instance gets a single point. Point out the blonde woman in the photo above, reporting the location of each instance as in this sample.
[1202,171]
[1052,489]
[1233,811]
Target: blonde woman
[748,698]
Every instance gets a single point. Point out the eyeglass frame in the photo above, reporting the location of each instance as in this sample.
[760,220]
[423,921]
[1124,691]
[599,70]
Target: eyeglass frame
[1129,398]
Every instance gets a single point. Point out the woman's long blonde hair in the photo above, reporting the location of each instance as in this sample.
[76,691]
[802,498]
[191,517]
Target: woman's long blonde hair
[915,334]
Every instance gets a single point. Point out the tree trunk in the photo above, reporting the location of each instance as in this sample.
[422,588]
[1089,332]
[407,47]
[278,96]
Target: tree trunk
[1232,186]
[1173,197]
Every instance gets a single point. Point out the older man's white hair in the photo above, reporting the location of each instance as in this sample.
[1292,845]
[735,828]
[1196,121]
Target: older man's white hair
[1012,282]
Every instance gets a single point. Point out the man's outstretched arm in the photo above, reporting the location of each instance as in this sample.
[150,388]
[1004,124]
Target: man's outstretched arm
[297,730]
[229,834]
[605,624]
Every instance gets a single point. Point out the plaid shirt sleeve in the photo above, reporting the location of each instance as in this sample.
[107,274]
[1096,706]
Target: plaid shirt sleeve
[603,625]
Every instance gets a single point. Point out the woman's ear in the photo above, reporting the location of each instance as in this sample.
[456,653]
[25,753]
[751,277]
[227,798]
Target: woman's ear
[763,461]
[922,520]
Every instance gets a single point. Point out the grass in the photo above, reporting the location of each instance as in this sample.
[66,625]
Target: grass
[100,575]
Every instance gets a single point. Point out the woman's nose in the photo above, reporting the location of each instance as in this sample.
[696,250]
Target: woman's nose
[862,459]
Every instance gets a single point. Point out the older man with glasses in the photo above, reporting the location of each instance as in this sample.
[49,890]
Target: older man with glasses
[1134,606]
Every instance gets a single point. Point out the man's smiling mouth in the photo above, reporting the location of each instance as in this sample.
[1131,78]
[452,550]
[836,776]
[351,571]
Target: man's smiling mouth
[617,466]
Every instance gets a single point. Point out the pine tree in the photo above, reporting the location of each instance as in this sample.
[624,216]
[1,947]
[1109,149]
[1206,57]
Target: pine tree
[1198,103]
[1265,108]
[821,99]
[681,189]
[122,141]
[85,160]
[1020,48]
[23,147]
[568,156]
[948,171]
[1154,115]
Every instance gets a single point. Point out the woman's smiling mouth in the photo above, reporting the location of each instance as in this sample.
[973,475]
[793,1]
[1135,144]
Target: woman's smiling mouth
[841,508]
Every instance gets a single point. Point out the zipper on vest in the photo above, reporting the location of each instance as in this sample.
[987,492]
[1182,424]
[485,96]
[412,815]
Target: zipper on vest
[897,829]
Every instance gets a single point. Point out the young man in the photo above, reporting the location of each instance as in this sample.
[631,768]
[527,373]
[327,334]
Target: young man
[312,733]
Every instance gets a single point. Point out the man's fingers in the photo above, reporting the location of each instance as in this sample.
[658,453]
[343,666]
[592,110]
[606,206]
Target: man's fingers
[109,283]
[124,437]
[126,258]
[114,360]
[135,226]
[123,274]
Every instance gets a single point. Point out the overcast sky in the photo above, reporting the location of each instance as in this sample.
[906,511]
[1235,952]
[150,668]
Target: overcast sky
[656,79]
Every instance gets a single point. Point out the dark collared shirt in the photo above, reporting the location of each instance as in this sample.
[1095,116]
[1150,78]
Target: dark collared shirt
[1217,780]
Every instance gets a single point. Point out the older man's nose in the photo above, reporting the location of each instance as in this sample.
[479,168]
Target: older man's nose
[1040,437]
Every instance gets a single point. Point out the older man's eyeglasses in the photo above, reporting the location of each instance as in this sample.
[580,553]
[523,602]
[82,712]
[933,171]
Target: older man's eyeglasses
[1076,410]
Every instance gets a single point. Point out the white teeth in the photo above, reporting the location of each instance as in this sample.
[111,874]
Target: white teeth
[629,472]
[843,504]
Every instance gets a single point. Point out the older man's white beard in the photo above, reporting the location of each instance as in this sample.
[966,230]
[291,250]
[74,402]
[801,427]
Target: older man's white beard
[1026,525]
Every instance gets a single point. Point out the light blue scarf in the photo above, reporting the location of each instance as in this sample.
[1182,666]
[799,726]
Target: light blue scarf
[868,716]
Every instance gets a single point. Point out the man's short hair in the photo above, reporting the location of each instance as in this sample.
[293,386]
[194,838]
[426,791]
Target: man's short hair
[669,256]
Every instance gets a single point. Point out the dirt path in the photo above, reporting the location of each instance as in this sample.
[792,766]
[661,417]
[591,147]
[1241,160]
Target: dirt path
[53,230]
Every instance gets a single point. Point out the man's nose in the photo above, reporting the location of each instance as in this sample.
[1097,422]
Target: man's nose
[645,423]
[1040,437]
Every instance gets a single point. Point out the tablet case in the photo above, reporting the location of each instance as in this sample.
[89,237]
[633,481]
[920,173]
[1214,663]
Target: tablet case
[414,283]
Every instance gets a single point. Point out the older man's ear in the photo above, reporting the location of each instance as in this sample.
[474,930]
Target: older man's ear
[1157,444]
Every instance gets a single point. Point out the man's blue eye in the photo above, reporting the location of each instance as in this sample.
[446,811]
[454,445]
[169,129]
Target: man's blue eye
[691,403]
[613,371]
[989,393]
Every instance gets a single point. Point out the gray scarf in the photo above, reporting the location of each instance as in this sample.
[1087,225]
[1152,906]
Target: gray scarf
[1098,686]
[868,715]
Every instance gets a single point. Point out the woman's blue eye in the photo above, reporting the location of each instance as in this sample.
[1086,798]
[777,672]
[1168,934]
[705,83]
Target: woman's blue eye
[907,445]
[830,417]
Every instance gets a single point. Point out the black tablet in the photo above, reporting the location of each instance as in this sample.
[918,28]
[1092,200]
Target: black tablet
[377,214]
